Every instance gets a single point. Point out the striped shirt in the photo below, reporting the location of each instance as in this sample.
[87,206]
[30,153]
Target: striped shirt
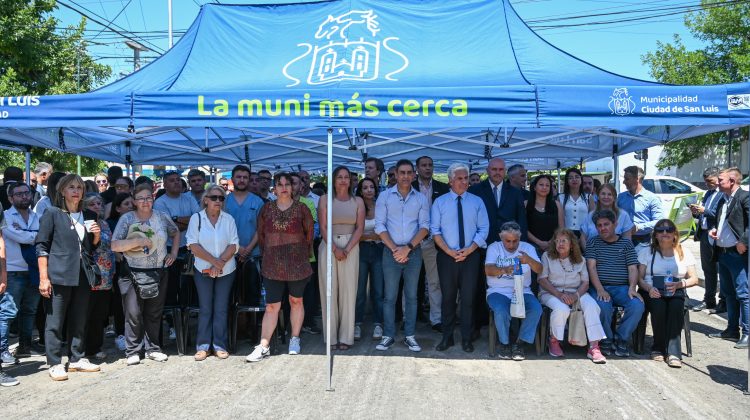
[612,259]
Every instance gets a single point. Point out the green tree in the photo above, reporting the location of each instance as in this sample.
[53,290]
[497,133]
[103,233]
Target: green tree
[37,57]
[724,26]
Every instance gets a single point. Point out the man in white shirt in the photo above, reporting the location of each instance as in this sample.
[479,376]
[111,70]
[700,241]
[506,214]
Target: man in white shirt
[19,231]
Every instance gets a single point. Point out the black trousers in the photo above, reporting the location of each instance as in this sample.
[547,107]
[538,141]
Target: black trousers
[454,276]
[666,320]
[96,320]
[67,308]
[142,317]
[709,261]
[115,307]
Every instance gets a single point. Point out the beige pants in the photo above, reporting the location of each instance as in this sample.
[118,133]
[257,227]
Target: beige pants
[344,277]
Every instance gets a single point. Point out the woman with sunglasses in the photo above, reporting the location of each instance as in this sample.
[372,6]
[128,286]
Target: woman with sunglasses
[145,253]
[666,270]
[607,201]
[101,182]
[212,238]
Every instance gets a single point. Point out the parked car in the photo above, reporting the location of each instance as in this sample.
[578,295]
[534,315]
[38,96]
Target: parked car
[667,188]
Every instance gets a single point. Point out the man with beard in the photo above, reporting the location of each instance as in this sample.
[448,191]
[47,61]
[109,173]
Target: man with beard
[244,208]
[197,182]
[19,231]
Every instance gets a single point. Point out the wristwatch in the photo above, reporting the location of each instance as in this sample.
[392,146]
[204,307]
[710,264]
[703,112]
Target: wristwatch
[411,247]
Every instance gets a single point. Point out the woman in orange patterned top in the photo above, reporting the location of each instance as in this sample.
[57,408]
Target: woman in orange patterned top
[285,235]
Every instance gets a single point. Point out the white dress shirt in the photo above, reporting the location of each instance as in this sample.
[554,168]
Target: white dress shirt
[214,239]
[16,232]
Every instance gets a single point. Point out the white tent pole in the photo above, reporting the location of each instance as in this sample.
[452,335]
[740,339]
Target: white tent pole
[616,174]
[28,165]
[559,186]
[329,256]
[169,23]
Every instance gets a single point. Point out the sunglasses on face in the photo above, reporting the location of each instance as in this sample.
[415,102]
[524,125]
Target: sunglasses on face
[663,229]
[216,198]
[101,181]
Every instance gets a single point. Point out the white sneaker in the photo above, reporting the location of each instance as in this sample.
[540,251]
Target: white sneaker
[259,353]
[157,356]
[134,360]
[58,373]
[172,334]
[83,365]
[294,347]
[357,332]
[120,343]
[412,344]
[377,333]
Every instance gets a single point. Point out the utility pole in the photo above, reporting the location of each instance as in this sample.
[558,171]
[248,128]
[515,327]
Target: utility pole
[137,48]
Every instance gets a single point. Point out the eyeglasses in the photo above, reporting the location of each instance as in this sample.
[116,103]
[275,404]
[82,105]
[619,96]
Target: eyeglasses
[102,181]
[144,199]
[663,229]
[216,198]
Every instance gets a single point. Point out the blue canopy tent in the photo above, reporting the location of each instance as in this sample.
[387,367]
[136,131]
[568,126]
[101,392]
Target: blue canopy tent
[331,82]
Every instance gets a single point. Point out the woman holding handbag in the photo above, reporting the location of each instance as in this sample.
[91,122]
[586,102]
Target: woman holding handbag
[68,234]
[212,238]
[665,272]
[141,236]
[564,282]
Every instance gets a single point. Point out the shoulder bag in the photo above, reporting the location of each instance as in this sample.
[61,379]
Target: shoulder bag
[145,280]
[88,265]
[577,325]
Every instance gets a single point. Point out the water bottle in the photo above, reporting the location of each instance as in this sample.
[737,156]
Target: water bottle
[145,250]
[668,279]
[262,296]
[517,268]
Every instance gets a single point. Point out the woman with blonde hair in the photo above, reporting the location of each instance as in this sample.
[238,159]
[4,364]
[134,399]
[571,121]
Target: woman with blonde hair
[607,199]
[565,281]
[666,270]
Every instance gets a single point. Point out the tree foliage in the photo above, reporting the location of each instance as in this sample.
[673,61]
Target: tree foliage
[725,28]
[37,57]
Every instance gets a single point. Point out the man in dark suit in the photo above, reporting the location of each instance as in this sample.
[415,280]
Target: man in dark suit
[504,203]
[431,189]
[705,212]
[731,236]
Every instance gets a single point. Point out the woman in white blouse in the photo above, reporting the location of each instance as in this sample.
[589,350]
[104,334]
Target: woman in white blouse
[576,204]
[565,280]
[212,238]
[661,262]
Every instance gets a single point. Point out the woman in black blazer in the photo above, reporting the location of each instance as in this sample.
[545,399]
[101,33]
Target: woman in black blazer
[63,236]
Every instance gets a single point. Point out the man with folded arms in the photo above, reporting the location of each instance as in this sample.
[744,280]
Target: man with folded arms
[459,226]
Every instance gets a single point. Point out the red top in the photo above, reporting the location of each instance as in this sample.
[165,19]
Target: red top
[285,239]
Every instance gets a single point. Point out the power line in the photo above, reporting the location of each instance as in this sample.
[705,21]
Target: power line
[113,19]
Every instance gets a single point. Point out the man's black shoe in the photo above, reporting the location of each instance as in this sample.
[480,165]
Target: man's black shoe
[504,351]
[467,346]
[438,327]
[719,309]
[742,343]
[445,344]
[519,352]
[726,335]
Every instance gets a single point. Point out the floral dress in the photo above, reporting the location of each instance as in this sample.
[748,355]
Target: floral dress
[105,258]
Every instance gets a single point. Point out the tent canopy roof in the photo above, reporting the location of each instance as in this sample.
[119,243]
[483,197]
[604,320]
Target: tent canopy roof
[454,80]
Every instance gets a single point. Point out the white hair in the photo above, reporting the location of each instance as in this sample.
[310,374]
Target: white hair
[512,228]
[455,167]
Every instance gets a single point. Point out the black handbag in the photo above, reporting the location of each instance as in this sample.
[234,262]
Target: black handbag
[89,266]
[145,280]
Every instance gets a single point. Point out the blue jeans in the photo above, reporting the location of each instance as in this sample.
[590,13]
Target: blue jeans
[370,265]
[26,297]
[213,300]
[500,305]
[392,272]
[7,312]
[733,283]
[633,312]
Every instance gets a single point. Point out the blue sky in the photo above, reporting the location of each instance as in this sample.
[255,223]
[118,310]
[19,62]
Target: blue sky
[616,47]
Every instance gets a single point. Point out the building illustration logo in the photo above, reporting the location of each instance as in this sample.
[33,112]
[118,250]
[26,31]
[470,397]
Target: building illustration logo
[337,54]
[621,103]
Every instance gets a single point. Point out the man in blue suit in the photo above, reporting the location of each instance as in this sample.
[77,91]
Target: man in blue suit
[504,203]
[705,212]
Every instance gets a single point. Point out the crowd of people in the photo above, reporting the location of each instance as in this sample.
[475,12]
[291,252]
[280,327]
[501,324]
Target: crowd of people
[77,253]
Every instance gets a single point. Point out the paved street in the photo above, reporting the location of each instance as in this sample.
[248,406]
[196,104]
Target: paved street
[397,384]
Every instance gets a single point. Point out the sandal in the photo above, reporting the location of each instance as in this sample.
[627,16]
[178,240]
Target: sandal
[344,347]
[657,356]
[674,362]
[335,346]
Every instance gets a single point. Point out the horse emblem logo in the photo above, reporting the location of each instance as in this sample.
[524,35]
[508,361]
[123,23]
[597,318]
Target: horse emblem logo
[347,47]
[621,103]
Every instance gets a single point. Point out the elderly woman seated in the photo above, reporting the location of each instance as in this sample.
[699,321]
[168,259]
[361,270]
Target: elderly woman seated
[665,271]
[498,267]
[565,281]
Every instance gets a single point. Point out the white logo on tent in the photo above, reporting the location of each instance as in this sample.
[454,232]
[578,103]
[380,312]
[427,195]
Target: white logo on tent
[737,102]
[621,103]
[335,57]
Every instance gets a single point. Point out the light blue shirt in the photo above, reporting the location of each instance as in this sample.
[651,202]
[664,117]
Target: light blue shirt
[246,217]
[643,208]
[182,206]
[401,217]
[444,219]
